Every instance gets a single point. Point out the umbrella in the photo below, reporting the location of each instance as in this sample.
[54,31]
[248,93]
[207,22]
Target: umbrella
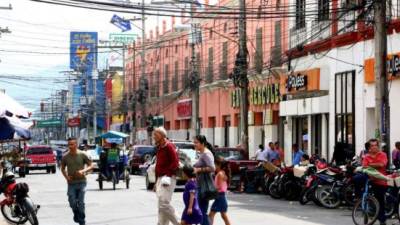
[8,104]
[14,128]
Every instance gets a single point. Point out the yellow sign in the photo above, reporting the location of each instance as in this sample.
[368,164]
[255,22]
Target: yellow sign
[260,95]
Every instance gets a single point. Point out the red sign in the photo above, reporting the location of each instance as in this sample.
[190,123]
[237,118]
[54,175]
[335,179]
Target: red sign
[185,108]
[74,122]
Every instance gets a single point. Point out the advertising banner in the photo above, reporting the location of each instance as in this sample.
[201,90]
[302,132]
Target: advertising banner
[83,51]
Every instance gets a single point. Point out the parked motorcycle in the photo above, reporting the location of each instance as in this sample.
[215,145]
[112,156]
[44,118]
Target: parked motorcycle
[17,207]
[286,185]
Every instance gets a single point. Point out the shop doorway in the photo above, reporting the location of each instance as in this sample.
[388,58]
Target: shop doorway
[300,132]
[316,133]
[344,116]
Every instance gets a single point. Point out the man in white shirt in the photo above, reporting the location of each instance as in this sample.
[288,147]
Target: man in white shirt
[259,155]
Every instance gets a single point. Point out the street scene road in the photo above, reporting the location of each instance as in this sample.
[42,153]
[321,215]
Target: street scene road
[139,206]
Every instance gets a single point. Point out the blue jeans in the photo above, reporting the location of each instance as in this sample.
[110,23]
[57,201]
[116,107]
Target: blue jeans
[203,205]
[76,198]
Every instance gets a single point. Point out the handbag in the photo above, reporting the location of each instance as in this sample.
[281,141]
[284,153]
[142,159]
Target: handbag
[207,188]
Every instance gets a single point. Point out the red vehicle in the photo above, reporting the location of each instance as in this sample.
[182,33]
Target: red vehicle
[140,155]
[41,158]
[238,160]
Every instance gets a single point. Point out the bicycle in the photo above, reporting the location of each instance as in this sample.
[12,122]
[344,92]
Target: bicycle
[366,208]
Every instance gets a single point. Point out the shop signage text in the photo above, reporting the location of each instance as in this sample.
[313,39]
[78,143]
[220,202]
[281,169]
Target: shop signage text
[393,65]
[260,95]
[48,123]
[74,122]
[185,108]
[296,82]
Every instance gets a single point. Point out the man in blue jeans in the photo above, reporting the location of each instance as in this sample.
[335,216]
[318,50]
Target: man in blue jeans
[74,171]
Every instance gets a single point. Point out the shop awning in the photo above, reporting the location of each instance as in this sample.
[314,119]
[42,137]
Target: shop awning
[114,134]
[9,105]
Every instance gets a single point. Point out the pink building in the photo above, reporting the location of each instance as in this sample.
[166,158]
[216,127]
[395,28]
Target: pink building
[168,67]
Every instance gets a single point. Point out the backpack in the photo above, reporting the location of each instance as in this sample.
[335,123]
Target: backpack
[21,190]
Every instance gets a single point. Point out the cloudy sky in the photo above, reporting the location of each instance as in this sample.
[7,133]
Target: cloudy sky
[38,45]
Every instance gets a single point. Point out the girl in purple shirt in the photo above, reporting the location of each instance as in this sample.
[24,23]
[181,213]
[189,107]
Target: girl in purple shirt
[192,213]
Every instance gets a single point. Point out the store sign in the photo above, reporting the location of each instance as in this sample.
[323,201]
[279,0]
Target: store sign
[393,65]
[48,123]
[296,82]
[185,108]
[260,95]
[74,122]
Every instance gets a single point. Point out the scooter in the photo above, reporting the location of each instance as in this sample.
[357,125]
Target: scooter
[17,207]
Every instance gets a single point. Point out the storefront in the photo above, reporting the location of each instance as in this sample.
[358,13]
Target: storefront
[263,113]
[304,112]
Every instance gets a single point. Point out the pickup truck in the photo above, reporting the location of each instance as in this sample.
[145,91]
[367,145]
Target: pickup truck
[40,158]
[238,160]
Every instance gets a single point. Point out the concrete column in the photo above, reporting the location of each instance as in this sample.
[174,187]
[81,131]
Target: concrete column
[219,136]
[309,134]
[271,133]
[255,139]
[287,132]
[324,137]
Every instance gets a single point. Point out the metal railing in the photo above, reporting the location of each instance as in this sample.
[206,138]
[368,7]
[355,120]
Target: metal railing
[297,36]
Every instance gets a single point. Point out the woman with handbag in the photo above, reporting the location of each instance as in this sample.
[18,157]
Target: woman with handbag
[204,168]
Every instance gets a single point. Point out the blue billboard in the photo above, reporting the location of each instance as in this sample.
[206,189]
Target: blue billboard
[83,51]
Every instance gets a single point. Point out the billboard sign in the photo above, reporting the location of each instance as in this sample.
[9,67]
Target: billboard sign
[185,108]
[74,122]
[83,51]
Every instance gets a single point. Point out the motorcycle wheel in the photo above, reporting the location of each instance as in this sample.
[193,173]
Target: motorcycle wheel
[390,205]
[274,190]
[30,211]
[304,196]
[267,184]
[348,194]
[328,199]
[291,191]
[8,211]
[114,180]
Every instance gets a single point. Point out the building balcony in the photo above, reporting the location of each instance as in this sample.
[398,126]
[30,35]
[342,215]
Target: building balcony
[297,36]
[320,30]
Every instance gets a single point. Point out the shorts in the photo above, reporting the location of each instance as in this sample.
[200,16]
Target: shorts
[220,204]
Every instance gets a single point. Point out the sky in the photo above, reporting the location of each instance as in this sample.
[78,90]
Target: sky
[37,31]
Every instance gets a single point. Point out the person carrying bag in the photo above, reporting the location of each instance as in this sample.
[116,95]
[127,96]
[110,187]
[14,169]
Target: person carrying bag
[204,168]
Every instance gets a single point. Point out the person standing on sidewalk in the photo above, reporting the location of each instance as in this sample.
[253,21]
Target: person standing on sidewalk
[74,171]
[205,164]
[166,167]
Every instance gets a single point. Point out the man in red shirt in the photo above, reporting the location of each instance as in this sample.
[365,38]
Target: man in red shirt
[166,167]
[378,160]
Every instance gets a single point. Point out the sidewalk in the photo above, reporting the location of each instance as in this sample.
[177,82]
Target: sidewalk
[2,221]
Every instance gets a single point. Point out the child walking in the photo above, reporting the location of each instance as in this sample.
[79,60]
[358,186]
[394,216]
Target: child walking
[220,204]
[192,213]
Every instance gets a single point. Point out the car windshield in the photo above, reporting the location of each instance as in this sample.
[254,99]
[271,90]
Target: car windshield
[229,154]
[184,145]
[39,151]
[188,156]
[142,150]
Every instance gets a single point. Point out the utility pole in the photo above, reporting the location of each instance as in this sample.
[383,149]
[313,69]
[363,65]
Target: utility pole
[240,76]
[87,105]
[95,76]
[382,107]
[143,80]
[195,79]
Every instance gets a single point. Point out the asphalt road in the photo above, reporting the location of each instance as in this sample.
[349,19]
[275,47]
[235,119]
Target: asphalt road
[139,207]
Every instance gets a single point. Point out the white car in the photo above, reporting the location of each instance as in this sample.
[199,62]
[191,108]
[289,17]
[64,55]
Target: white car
[94,155]
[186,157]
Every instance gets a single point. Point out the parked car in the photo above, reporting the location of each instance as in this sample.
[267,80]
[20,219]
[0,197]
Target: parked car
[187,156]
[41,158]
[140,155]
[93,154]
[238,160]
